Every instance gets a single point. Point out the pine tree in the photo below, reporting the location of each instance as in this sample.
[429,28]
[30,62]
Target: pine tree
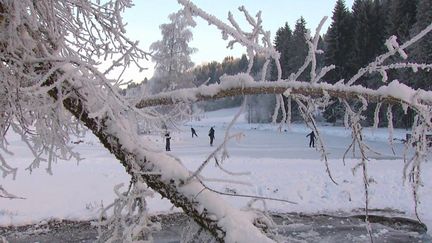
[402,17]
[380,11]
[298,49]
[282,43]
[369,19]
[339,39]
[284,48]
[348,36]
[364,47]
[321,58]
[422,52]
[243,63]
[296,52]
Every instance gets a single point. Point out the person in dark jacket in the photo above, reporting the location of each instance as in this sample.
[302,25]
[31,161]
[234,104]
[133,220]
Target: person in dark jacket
[211,135]
[312,137]
[193,132]
[167,142]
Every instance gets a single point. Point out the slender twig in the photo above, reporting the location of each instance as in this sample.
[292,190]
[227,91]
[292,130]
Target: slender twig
[247,196]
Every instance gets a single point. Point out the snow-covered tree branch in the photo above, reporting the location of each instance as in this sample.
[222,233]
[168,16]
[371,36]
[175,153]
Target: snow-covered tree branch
[42,69]
[245,85]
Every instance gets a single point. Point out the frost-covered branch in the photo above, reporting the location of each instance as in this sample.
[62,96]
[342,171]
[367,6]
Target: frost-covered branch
[211,156]
[354,119]
[7,195]
[412,167]
[249,196]
[129,220]
[310,59]
[307,114]
[235,32]
[249,40]
[52,81]
[243,85]
[393,49]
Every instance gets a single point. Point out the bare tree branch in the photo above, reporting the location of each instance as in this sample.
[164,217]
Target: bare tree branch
[5,194]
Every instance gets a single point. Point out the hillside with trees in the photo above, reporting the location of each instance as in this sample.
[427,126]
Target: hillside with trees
[355,38]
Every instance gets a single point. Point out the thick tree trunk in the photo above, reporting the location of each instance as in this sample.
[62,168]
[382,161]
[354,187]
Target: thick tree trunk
[162,173]
[168,189]
[205,212]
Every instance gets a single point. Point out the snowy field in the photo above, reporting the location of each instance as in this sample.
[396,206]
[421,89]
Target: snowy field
[276,163]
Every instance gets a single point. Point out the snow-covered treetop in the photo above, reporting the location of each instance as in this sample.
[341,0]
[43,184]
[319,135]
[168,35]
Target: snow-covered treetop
[172,53]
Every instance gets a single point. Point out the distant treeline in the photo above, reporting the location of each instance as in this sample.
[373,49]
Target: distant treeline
[355,38]
[211,72]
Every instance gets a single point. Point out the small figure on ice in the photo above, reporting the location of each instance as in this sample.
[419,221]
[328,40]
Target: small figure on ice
[312,137]
[211,135]
[167,141]
[193,132]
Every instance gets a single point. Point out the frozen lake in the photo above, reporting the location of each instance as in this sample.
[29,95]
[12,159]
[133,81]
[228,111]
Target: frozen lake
[293,227]
[275,163]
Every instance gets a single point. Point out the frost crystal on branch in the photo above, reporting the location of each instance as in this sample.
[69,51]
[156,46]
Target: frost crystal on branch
[126,219]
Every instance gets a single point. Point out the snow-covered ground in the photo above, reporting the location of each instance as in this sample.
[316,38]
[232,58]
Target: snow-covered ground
[277,163]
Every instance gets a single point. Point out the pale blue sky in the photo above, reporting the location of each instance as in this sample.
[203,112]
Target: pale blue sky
[146,16]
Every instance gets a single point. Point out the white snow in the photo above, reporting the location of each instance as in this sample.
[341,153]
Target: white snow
[279,161]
